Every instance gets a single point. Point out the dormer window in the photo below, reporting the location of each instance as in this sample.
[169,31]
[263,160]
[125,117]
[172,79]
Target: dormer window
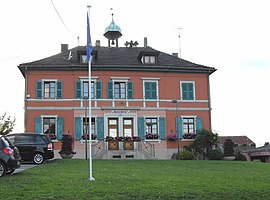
[84,59]
[148,60]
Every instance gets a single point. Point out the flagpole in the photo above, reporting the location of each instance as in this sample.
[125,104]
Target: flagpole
[90,98]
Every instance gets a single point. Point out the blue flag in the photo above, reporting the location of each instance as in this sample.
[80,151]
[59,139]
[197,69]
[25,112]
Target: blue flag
[89,43]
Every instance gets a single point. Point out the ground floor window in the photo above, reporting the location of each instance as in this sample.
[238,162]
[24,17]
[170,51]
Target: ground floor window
[151,128]
[49,126]
[189,128]
[86,128]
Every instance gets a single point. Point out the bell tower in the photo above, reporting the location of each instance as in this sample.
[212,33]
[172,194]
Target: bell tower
[112,33]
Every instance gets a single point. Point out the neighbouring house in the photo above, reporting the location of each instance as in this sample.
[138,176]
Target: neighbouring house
[139,96]
[237,140]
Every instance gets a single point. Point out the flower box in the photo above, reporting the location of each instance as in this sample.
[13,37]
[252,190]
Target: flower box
[113,145]
[150,136]
[128,145]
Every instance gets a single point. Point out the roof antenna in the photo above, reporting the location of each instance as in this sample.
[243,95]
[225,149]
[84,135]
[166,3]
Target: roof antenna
[179,36]
[78,38]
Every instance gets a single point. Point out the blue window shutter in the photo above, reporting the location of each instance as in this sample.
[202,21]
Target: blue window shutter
[78,90]
[60,127]
[180,127]
[100,128]
[109,90]
[59,89]
[130,90]
[38,125]
[98,90]
[141,128]
[198,124]
[38,89]
[78,128]
[162,128]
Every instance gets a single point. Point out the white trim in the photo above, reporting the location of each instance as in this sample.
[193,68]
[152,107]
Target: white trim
[86,78]
[118,78]
[149,78]
[49,80]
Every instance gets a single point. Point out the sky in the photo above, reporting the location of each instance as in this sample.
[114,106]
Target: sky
[231,35]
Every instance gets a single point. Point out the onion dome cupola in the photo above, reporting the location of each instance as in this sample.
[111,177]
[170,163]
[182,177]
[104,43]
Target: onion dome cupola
[112,33]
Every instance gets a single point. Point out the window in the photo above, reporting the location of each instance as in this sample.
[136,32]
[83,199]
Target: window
[187,91]
[48,89]
[150,90]
[85,89]
[120,90]
[151,128]
[49,126]
[86,126]
[148,60]
[188,125]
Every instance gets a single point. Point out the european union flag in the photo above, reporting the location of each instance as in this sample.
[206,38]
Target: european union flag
[89,43]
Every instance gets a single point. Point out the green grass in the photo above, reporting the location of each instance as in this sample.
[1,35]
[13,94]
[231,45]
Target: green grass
[140,179]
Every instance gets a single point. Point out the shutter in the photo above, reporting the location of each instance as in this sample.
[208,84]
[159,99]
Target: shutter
[38,89]
[179,127]
[59,89]
[162,128]
[100,128]
[191,91]
[98,90]
[130,90]
[38,125]
[141,130]
[109,90]
[60,127]
[198,124]
[184,91]
[78,90]
[154,90]
[147,90]
[78,128]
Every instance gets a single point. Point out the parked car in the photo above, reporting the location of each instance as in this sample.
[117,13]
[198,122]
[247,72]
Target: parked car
[10,158]
[36,147]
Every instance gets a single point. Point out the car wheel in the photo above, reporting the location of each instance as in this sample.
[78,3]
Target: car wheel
[10,172]
[38,158]
[2,169]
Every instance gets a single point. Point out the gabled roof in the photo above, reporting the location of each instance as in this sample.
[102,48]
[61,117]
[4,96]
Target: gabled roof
[236,139]
[117,59]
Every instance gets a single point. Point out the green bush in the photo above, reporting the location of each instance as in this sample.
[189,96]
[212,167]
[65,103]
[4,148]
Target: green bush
[186,155]
[240,157]
[215,154]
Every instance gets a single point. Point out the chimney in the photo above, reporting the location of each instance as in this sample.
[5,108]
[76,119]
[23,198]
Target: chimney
[175,54]
[145,41]
[64,47]
[97,43]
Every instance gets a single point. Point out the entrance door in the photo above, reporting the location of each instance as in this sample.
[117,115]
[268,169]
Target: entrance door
[113,127]
[128,127]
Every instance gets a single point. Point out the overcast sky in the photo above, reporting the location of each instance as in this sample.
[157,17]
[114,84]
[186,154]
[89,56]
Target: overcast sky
[230,35]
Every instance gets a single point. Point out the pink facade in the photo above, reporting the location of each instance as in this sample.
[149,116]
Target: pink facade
[125,103]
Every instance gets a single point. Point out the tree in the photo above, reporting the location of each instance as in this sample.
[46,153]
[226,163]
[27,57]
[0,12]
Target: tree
[228,148]
[6,124]
[204,141]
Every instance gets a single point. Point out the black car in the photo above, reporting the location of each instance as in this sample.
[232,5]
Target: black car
[36,147]
[10,158]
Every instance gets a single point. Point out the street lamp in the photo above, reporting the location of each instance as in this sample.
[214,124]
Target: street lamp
[177,133]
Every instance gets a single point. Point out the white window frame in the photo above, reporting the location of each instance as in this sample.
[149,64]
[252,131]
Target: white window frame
[194,90]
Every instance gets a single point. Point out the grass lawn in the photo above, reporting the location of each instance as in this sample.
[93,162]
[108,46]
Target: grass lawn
[140,179]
